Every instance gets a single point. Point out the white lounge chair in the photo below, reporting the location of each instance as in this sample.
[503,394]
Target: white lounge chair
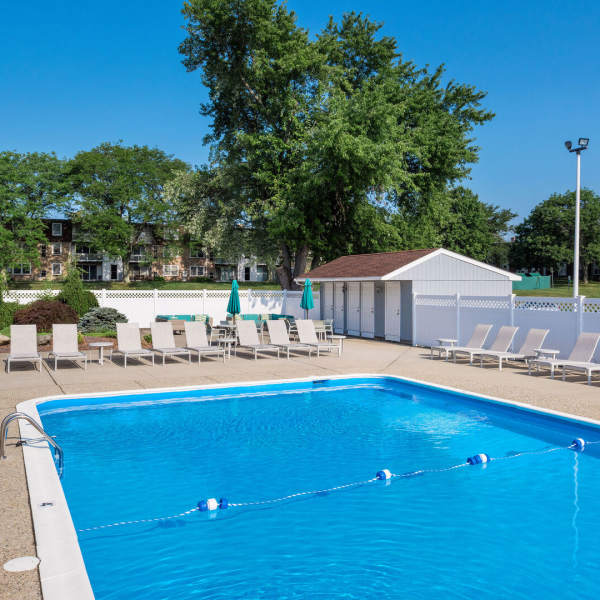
[535,339]
[248,337]
[64,345]
[278,336]
[579,359]
[475,344]
[129,342]
[308,335]
[23,346]
[163,341]
[197,340]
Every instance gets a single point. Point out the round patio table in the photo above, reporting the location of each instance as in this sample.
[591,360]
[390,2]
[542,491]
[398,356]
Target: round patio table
[341,342]
[100,346]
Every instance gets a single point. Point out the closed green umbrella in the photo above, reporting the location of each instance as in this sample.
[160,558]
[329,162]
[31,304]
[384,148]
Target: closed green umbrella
[307,298]
[233,306]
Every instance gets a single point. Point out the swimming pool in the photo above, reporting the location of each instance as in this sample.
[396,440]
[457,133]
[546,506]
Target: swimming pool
[525,526]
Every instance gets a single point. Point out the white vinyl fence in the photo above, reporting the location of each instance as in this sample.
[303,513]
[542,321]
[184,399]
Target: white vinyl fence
[455,316]
[142,306]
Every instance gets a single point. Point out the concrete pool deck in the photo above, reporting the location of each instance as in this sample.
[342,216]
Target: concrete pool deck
[360,356]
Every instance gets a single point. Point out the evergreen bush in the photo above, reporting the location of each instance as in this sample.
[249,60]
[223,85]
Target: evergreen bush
[74,294]
[101,319]
[7,313]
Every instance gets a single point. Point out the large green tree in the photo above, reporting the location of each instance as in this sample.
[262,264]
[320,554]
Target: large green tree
[118,191]
[546,237]
[32,186]
[318,133]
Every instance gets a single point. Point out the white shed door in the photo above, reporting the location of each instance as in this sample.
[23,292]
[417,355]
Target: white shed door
[367,309]
[353,323]
[392,311]
[327,291]
[338,307]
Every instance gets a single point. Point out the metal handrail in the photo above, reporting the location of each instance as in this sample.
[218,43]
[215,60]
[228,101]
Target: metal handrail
[58,451]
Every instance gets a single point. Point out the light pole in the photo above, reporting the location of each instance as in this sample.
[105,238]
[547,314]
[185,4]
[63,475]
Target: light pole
[582,145]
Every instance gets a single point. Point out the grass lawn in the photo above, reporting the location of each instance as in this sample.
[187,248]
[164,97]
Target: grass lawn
[591,290]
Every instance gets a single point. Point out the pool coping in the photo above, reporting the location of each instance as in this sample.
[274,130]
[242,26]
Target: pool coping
[62,570]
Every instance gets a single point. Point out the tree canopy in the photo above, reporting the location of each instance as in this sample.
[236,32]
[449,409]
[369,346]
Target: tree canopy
[32,186]
[117,190]
[546,238]
[321,133]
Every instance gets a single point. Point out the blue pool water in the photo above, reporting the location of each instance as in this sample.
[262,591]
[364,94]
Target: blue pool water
[524,527]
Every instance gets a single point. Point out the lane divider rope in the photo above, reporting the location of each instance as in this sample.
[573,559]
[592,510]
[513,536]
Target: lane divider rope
[211,504]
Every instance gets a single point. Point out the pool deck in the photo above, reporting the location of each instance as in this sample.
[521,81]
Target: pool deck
[360,356]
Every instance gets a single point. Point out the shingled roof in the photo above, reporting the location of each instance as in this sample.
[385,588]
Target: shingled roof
[366,265]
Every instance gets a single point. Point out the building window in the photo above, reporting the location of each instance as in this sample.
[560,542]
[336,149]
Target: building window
[196,271]
[42,274]
[57,229]
[57,248]
[170,270]
[246,273]
[21,269]
[43,250]
[79,249]
[56,268]
[262,273]
[196,251]
[113,272]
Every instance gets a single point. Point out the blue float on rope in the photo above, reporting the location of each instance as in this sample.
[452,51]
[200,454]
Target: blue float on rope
[579,444]
[383,474]
[223,503]
[478,459]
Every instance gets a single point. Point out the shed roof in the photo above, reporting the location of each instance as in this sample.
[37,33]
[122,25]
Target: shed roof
[383,265]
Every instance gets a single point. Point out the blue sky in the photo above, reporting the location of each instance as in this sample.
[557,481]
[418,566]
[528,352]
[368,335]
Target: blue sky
[74,74]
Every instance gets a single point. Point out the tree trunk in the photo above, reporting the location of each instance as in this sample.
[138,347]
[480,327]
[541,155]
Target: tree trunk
[586,272]
[285,273]
[126,273]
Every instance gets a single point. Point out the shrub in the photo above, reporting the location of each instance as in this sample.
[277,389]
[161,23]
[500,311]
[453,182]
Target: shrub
[74,294]
[101,319]
[44,314]
[7,313]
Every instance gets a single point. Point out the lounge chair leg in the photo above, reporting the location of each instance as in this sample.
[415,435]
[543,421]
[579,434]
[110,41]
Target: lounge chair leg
[500,364]
[563,374]
[551,371]
[55,361]
[125,361]
[589,378]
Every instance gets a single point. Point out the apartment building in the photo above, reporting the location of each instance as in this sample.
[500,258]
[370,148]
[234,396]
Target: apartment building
[153,256]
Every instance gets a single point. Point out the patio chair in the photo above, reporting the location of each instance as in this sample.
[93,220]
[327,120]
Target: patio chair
[535,339]
[248,338]
[278,336]
[579,359]
[308,335]
[197,341]
[476,342]
[163,341]
[64,345]
[320,329]
[129,342]
[23,346]
[504,339]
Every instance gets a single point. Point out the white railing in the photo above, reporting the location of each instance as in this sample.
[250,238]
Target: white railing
[142,306]
[455,316]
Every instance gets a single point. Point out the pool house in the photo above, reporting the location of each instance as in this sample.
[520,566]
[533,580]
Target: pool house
[372,295]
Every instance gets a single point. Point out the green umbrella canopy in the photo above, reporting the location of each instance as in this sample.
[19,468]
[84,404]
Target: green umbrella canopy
[307,298]
[233,306]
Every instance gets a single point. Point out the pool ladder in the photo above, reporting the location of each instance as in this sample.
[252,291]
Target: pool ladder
[16,416]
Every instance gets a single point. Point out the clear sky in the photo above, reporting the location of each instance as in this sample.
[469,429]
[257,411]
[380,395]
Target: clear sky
[74,74]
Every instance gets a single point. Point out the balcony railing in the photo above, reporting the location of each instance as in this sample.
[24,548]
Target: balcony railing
[139,258]
[88,256]
[224,261]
